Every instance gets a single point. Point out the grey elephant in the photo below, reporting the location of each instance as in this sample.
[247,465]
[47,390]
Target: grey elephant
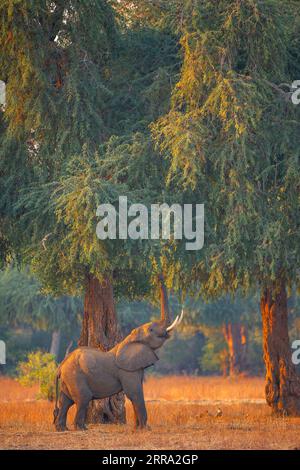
[88,373]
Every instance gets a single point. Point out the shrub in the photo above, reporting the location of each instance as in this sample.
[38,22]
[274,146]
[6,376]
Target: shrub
[39,368]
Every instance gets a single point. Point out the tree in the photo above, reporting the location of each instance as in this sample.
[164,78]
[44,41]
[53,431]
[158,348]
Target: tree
[229,320]
[232,136]
[54,72]
[14,174]
[82,113]
[54,60]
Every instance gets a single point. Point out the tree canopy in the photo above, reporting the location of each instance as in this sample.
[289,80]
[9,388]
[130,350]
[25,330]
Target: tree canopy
[233,134]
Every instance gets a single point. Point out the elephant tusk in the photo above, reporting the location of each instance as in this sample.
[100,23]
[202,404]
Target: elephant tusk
[173,324]
[180,318]
[176,322]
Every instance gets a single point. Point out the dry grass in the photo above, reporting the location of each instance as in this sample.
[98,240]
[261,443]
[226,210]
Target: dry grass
[182,413]
[11,390]
[204,388]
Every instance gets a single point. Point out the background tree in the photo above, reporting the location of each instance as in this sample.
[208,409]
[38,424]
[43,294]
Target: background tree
[233,137]
[229,325]
[23,303]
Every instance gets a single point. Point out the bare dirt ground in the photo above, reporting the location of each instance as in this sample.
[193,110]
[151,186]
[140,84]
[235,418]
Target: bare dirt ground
[184,413]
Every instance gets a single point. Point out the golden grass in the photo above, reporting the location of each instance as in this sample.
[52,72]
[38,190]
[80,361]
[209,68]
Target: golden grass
[11,390]
[204,388]
[178,414]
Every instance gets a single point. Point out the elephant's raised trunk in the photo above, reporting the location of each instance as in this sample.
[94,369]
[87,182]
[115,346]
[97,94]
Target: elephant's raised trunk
[164,304]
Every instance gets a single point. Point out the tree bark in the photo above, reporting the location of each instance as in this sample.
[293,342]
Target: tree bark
[100,330]
[236,339]
[55,343]
[282,382]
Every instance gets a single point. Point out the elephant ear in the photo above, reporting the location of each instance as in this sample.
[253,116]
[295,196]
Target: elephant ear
[134,356]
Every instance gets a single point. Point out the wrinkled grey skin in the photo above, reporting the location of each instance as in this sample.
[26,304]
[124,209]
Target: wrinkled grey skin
[88,373]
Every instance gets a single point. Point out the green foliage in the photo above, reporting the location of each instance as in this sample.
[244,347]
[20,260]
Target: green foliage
[215,354]
[255,361]
[28,316]
[54,60]
[159,15]
[15,173]
[209,317]
[93,93]
[133,314]
[19,342]
[22,302]
[40,368]
[72,249]
[227,309]
[232,136]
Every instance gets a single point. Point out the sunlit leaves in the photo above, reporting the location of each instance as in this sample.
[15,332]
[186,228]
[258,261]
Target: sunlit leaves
[232,136]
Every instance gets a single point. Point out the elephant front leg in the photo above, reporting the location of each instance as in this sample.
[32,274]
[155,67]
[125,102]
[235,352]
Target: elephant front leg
[136,419]
[132,383]
[140,412]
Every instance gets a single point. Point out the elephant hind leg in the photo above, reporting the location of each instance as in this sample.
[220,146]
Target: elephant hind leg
[60,420]
[80,417]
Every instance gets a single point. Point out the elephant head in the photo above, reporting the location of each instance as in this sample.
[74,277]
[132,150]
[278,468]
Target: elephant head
[137,351]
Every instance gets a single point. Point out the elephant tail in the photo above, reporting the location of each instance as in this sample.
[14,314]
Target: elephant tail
[56,409]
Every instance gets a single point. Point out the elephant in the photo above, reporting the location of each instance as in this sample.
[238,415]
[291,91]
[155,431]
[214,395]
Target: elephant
[88,373]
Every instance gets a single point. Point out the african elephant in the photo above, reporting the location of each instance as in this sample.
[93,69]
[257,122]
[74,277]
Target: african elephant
[89,373]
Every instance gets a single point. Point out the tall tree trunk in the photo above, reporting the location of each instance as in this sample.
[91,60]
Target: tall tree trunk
[282,383]
[55,342]
[100,330]
[236,339]
[244,348]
